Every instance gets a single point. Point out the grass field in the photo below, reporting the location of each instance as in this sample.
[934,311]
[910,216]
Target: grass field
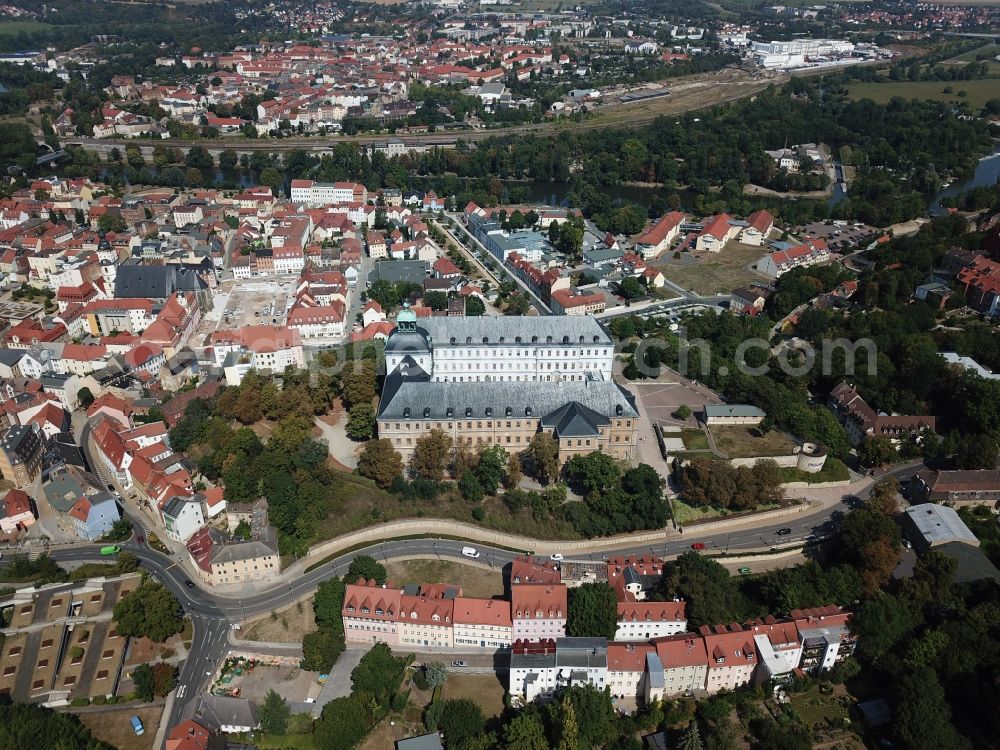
[990,49]
[813,707]
[475,581]
[715,272]
[694,440]
[114,727]
[484,689]
[743,442]
[9,28]
[685,514]
[977,92]
[833,471]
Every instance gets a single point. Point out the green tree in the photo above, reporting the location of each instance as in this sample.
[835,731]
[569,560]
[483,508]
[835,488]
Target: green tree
[320,650]
[517,304]
[542,456]
[150,611]
[710,592]
[85,397]
[461,719]
[490,468]
[142,682]
[471,488]
[691,739]
[525,732]
[592,611]
[596,472]
[436,300]
[923,716]
[569,730]
[683,413]
[436,674]
[359,385]
[431,455]
[474,307]
[366,567]
[361,422]
[877,451]
[344,722]
[380,462]
[379,674]
[272,178]
[274,714]
[25,725]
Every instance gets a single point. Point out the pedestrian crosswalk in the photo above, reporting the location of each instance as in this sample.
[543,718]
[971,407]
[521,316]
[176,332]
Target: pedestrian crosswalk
[180,691]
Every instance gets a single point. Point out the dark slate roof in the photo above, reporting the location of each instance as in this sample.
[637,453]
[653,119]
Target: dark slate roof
[575,420]
[568,329]
[155,282]
[973,564]
[597,399]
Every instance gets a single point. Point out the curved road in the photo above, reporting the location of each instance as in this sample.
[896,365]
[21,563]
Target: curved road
[212,615]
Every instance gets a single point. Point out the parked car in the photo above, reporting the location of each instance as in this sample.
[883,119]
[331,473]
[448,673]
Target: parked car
[459,663]
[556,556]
[137,725]
[698,545]
[470,552]
[744,571]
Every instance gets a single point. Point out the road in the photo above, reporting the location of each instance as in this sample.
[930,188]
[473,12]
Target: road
[212,615]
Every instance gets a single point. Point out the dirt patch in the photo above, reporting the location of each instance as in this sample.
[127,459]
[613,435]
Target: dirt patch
[115,728]
[288,625]
[142,651]
[484,689]
[475,581]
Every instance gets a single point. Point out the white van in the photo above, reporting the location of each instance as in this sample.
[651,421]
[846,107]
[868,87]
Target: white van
[470,552]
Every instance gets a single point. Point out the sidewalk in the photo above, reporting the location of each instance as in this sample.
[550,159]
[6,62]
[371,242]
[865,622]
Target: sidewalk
[341,447]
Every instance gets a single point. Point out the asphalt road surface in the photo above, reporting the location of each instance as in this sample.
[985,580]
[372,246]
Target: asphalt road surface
[212,615]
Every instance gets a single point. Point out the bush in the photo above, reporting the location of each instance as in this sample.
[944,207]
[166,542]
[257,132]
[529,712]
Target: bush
[479,514]
[99,700]
[76,702]
[420,679]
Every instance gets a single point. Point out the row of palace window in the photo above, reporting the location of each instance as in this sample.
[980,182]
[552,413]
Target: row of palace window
[489,425]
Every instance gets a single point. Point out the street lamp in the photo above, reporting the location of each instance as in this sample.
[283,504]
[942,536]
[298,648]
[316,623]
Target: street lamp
[435,545]
[243,609]
[729,536]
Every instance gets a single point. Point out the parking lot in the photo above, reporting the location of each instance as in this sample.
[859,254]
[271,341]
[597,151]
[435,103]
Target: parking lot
[844,238]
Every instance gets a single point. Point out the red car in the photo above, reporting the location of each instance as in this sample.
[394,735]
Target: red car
[697,545]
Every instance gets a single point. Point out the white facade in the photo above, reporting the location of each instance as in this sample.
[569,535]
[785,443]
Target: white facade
[643,630]
[188,520]
[535,351]
[478,635]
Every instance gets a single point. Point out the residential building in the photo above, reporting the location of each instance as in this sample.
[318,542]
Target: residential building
[94,515]
[715,232]
[861,421]
[825,636]
[482,623]
[17,512]
[221,713]
[371,613]
[684,661]
[645,620]
[540,669]
[21,449]
[759,226]
[732,657]
[262,348]
[779,262]
[182,517]
[426,618]
[538,611]
[958,488]
[660,236]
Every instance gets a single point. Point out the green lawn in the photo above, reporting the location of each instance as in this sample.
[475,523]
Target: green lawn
[694,440]
[9,28]
[977,92]
[815,708]
[685,514]
[990,49]
[744,442]
[833,471]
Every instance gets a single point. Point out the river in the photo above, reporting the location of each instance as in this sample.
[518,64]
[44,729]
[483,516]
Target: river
[987,173]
